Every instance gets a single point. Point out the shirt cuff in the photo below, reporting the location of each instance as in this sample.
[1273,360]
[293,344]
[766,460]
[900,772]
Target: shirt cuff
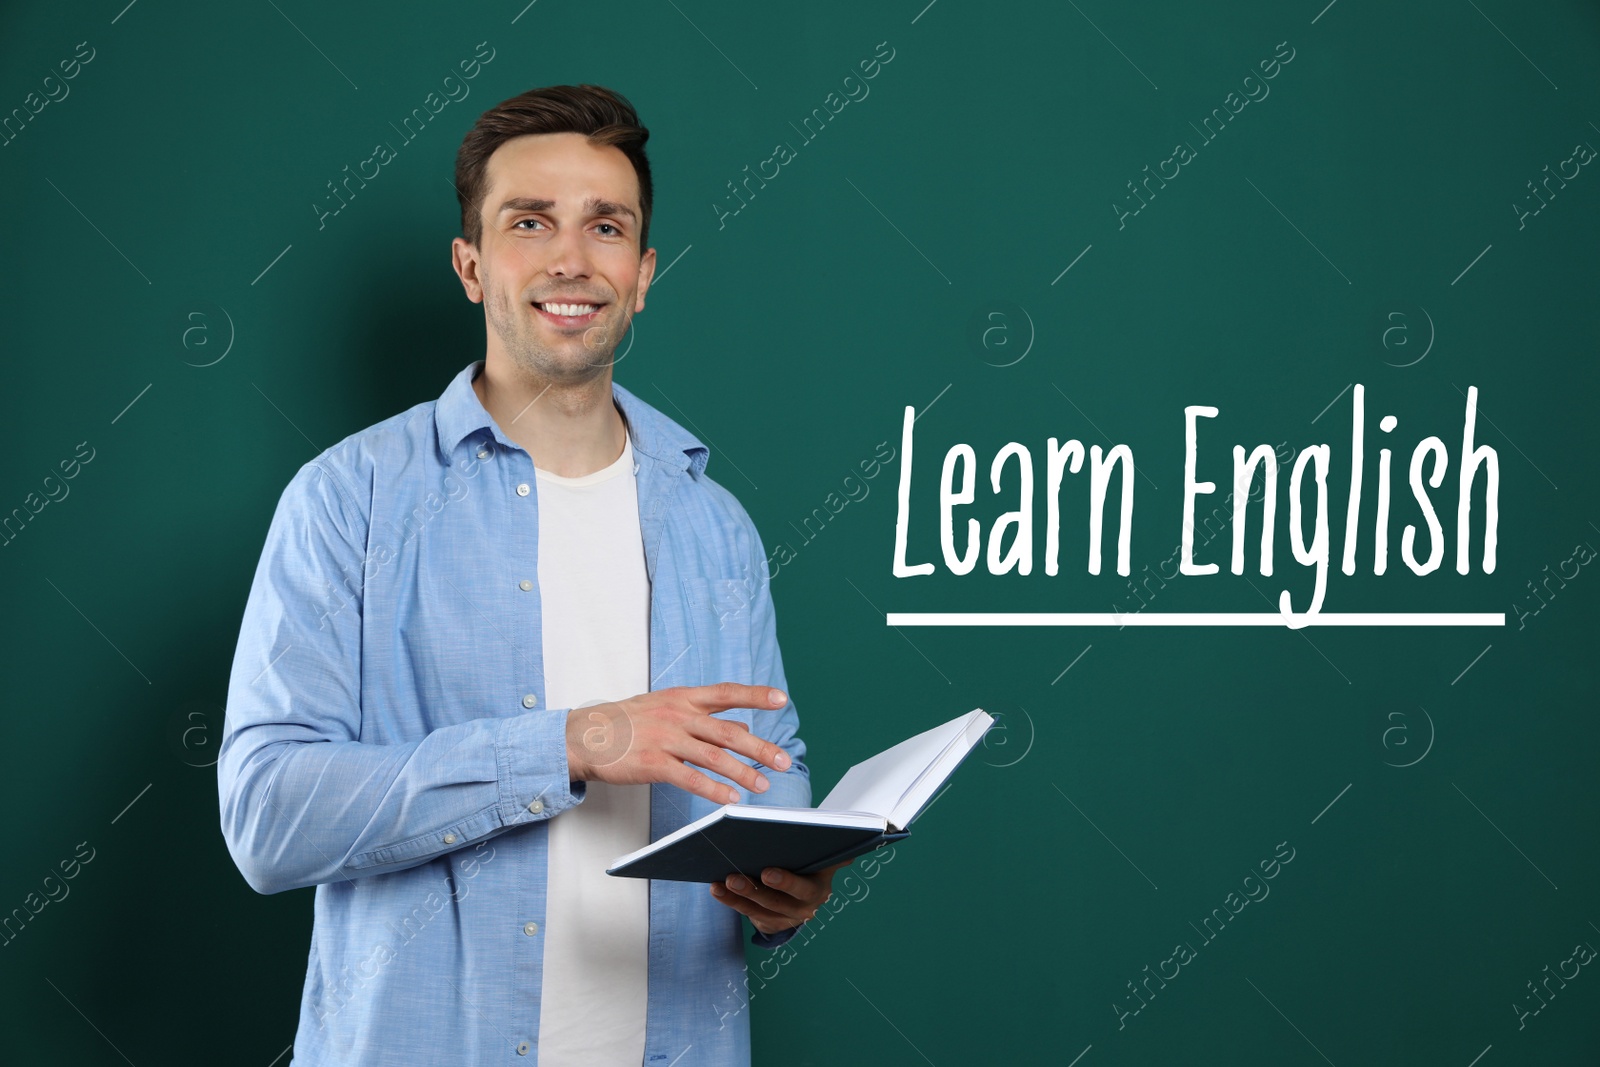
[531,757]
[769,941]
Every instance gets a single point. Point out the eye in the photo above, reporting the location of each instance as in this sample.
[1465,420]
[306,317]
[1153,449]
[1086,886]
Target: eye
[519,222]
[614,231]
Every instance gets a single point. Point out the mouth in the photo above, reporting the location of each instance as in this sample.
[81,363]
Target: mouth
[566,314]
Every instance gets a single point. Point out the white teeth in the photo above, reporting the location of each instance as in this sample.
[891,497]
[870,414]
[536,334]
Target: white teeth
[570,309]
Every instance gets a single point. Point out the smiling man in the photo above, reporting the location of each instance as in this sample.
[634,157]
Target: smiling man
[502,638]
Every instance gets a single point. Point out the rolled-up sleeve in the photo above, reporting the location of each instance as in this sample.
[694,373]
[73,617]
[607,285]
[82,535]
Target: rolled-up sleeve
[303,802]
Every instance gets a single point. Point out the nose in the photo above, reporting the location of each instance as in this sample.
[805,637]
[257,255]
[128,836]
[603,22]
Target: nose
[569,256]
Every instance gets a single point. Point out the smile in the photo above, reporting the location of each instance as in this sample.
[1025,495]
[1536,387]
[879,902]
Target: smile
[569,314]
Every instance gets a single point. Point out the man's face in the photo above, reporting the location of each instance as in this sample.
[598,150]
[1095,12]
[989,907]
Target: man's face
[558,267]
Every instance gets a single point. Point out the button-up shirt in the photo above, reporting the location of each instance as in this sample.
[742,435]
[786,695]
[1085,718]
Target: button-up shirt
[387,738]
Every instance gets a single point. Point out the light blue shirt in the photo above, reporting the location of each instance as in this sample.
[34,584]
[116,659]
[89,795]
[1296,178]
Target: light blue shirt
[387,738]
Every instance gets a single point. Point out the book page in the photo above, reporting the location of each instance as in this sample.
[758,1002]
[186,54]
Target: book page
[878,784]
[921,792]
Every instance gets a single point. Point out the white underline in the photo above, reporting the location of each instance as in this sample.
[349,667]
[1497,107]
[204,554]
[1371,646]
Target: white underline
[1192,618]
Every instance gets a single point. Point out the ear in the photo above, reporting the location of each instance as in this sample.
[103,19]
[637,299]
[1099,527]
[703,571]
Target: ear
[647,273]
[464,258]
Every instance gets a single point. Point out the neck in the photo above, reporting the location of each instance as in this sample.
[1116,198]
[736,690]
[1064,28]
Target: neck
[569,428]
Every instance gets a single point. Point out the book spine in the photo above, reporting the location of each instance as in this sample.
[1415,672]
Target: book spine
[855,850]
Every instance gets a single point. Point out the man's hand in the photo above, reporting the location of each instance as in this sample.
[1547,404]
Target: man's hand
[654,736]
[786,899]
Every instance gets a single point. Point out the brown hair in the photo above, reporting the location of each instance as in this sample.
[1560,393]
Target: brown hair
[604,116]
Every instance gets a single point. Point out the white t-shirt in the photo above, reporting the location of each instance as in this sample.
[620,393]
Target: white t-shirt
[596,619]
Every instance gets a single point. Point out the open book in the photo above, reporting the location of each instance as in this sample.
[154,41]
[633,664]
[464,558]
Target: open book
[873,804]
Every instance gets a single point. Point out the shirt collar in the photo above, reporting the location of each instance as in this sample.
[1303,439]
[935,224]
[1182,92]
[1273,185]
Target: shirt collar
[459,413]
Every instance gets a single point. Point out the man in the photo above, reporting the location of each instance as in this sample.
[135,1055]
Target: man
[485,642]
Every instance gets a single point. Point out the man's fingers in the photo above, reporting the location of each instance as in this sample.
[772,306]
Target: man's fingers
[759,916]
[673,728]
[725,695]
[715,759]
[781,900]
[692,781]
[736,737]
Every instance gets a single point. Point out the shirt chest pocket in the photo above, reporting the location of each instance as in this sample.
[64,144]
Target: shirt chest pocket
[720,612]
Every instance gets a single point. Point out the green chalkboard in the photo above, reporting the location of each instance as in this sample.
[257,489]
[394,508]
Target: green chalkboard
[1360,843]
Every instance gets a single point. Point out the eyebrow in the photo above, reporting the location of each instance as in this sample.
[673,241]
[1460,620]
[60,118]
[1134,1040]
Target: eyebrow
[594,206]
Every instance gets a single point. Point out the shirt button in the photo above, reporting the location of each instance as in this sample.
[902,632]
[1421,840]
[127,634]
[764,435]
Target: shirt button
[536,806]
[522,490]
[449,839]
[525,585]
[530,929]
[483,453]
[530,700]
[522,1049]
